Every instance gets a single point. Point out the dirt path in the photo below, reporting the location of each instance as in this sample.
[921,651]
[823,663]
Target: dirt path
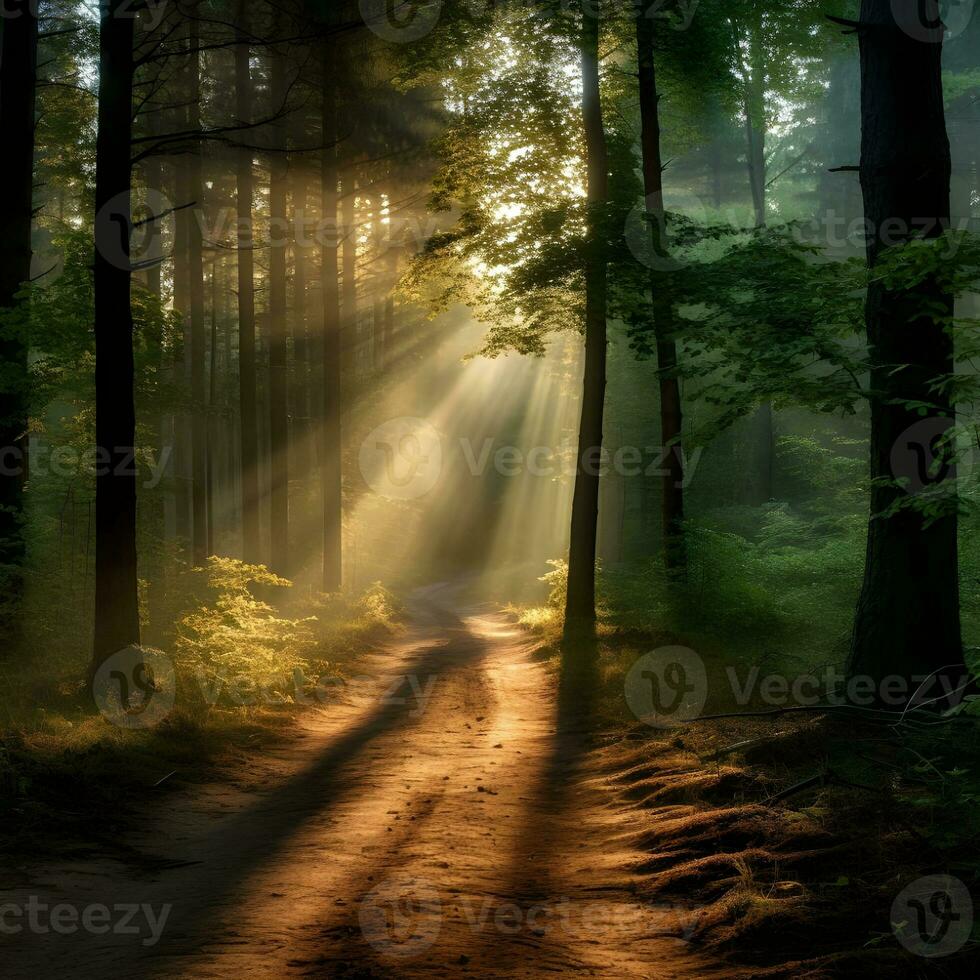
[436,824]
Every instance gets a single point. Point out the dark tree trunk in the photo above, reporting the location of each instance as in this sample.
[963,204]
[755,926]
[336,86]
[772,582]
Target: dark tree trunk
[671,409]
[580,604]
[330,433]
[117,622]
[251,539]
[300,389]
[212,413]
[17,99]
[182,365]
[278,327]
[908,615]
[351,343]
[195,263]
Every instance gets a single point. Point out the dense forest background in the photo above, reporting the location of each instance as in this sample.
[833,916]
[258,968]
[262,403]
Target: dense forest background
[655,323]
[271,337]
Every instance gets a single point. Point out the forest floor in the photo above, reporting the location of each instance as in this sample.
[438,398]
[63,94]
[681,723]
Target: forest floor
[462,811]
[442,821]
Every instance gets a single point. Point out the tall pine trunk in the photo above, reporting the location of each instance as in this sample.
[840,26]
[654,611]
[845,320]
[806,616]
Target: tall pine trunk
[671,409]
[117,622]
[195,263]
[248,410]
[351,342]
[580,612]
[908,614]
[17,102]
[300,389]
[278,376]
[330,432]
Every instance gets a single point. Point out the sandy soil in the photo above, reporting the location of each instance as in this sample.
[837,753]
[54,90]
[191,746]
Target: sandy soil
[439,822]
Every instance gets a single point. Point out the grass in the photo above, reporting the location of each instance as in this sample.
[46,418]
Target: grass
[793,834]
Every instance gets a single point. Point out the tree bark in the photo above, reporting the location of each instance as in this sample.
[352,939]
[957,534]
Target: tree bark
[248,401]
[278,376]
[195,262]
[117,622]
[330,431]
[580,615]
[17,104]
[351,342]
[908,614]
[182,366]
[671,409]
[300,440]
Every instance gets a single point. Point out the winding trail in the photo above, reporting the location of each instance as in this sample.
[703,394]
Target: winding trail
[439,822]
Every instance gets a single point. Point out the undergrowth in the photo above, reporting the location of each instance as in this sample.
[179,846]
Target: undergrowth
[241,640]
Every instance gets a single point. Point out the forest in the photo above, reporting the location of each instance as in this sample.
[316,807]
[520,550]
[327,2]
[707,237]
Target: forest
[487,488]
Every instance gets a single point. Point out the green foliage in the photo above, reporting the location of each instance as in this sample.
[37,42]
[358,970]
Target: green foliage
[236,636]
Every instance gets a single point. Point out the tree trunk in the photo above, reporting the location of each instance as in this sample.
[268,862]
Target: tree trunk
[17,103]
[212,413]
[754,107]
[580,613]
[117,622]
[248,410]
[671,409]
[908,614]
[195,262]
[278,376]
[182,366]
[300,389]
[351,333]
[330,433]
